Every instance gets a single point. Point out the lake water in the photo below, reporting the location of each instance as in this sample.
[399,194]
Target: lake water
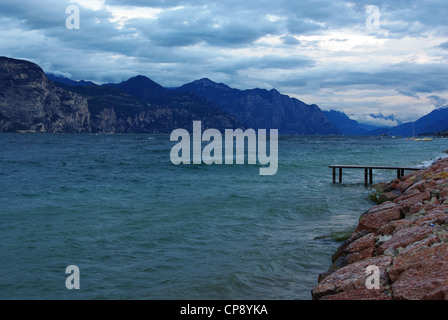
[139,227]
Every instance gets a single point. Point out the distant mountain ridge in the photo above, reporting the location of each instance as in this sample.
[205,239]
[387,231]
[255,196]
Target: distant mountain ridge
[30,102]
[435,121]
[254,108]
[344,124]
[61,79]
[260,108]
[145,89]
[33,101]
[117,111]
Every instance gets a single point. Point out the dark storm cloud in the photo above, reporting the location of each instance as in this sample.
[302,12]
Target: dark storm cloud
[408,93]
[188,27]
[290,40]
[443,45]
[155,3]
[408,77]
[286,44]
[437,101]
[264,62]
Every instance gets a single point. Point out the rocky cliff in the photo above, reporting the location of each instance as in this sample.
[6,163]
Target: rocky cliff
[113,110]
[31,102]
[406,237]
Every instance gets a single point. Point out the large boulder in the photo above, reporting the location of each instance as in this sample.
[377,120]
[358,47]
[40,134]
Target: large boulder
[421,274]
[352,276]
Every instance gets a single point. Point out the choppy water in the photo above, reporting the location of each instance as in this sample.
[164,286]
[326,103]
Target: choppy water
[139,227]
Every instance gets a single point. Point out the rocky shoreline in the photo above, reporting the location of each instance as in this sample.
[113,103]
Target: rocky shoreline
[405,237]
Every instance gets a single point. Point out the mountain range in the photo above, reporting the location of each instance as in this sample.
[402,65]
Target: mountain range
[344,124]
[33,101]
[260,108]
[434,122]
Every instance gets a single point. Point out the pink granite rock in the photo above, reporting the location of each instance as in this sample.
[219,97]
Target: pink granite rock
[409,193]
[418,185]
[394,185]
[438,217]
[421,274]
[352,276]
[356,248]
[407,183]
[429,241]
[405,237]
[394,226]
[429,184]
[383,206]
[389,196]
[414,199]
[410,175]
[422,208]
[374,221]
[361,248]
[443,195]
[359,294]
[440,175]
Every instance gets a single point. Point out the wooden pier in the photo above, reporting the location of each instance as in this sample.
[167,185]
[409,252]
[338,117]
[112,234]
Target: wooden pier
[368,171]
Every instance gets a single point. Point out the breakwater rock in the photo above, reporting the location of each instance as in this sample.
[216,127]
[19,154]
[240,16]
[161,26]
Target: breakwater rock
[405,238]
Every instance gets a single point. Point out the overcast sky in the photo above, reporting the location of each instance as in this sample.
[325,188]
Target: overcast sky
[325,52]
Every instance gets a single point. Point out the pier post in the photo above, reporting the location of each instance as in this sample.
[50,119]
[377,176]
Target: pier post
[368,171]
